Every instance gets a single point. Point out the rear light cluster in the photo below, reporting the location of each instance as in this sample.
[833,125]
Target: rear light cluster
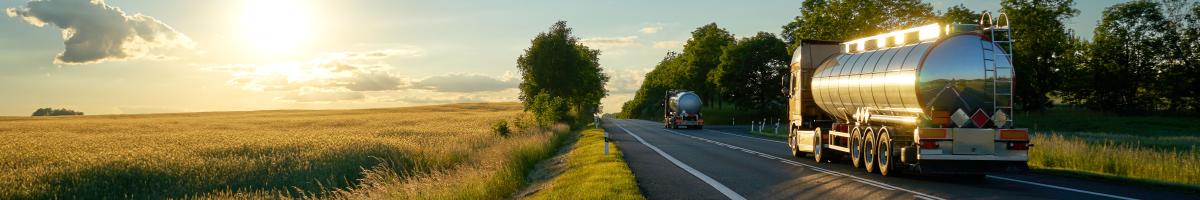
[927,138]
[1017,139]
[929,144]
[1018,146]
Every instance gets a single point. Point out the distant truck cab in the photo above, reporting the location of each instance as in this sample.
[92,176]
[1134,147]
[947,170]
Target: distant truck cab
[681,109]
[933,99]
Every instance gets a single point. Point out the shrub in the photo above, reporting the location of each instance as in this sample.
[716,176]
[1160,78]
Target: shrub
[501,128]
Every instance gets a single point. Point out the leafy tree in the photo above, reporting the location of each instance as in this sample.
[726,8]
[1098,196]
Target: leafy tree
[960,14]
[702,54]
[647,102]
[841,20]
[1040,32]
[751,70]
[562,79]
[1141,60]
[1179,82]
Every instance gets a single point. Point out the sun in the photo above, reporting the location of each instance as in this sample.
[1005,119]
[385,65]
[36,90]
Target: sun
[276,26]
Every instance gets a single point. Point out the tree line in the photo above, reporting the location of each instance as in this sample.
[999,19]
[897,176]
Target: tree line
[1143,58]
[55,112]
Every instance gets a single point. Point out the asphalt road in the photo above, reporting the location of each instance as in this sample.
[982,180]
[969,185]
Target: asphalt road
[720,163]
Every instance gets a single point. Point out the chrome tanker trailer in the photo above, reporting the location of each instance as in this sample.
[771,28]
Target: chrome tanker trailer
[681,109]
[933,99]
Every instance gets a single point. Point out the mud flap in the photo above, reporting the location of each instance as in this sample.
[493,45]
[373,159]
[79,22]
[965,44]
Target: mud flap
[908,154]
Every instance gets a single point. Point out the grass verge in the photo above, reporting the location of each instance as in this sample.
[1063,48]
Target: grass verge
[770,134]
[1059,154]
[587,173]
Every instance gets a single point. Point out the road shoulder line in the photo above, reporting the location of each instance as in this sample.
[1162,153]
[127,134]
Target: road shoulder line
[1060,187]
[711,182]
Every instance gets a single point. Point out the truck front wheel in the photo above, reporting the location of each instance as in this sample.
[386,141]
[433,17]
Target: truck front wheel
[792,142]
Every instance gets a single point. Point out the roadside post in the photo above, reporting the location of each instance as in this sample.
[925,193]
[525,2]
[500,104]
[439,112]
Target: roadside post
[605,142]
[776,127]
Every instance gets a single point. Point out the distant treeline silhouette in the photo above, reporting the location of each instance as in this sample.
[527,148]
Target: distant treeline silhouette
[55,112]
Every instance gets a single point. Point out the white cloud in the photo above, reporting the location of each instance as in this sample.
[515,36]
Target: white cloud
[96,32]
[625,81]
[610,42]
[331,78]
[670,44]
[425,97]
[650,29]
[465,83]
[362,77]
[319,95]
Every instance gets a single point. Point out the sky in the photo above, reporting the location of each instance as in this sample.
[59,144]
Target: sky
[131,57]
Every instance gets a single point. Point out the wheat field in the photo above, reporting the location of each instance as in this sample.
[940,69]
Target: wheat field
[444,151]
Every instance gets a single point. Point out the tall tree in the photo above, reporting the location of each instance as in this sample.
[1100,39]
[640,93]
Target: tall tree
[701,54]
[1129,48]
[561,78]
[750,71]
[960,14]
[841,20]
[1039,31]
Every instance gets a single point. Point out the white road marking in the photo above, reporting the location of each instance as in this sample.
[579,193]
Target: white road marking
[722,132]
[815,168]
[711,182]
[1060,187]
[989,176]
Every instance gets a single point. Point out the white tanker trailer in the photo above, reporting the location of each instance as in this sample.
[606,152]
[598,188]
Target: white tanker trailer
[934,99]
[681,109]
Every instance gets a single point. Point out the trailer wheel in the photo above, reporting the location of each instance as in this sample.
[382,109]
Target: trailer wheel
[818,152]
[884,147]
[856,147]
[868,151]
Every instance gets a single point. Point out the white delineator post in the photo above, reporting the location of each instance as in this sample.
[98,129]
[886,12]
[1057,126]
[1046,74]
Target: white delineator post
[606,143]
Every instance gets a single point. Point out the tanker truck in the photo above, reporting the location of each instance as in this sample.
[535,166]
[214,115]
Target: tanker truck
[681,109]
[935,99]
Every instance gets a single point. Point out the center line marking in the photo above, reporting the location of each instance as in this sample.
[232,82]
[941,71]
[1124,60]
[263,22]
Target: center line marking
[716,185]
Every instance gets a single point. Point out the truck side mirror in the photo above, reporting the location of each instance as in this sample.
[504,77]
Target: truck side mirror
[787,85]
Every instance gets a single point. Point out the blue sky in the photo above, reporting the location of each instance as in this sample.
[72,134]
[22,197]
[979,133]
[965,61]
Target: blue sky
[254,55]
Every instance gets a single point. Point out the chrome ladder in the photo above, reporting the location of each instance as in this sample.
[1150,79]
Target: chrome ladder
[1001,76]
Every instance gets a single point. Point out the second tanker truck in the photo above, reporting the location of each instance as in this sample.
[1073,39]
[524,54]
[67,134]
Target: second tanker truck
[681,109]
[935,99]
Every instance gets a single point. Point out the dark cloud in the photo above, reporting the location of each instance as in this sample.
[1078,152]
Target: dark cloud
[464,83]
[96,32]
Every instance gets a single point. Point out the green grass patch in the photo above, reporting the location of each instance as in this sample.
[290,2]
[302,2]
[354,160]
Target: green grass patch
[590,174]
[1062,119]
[769,133]
[1057,153]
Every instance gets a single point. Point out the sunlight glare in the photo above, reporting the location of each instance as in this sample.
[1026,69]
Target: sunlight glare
[276,26]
